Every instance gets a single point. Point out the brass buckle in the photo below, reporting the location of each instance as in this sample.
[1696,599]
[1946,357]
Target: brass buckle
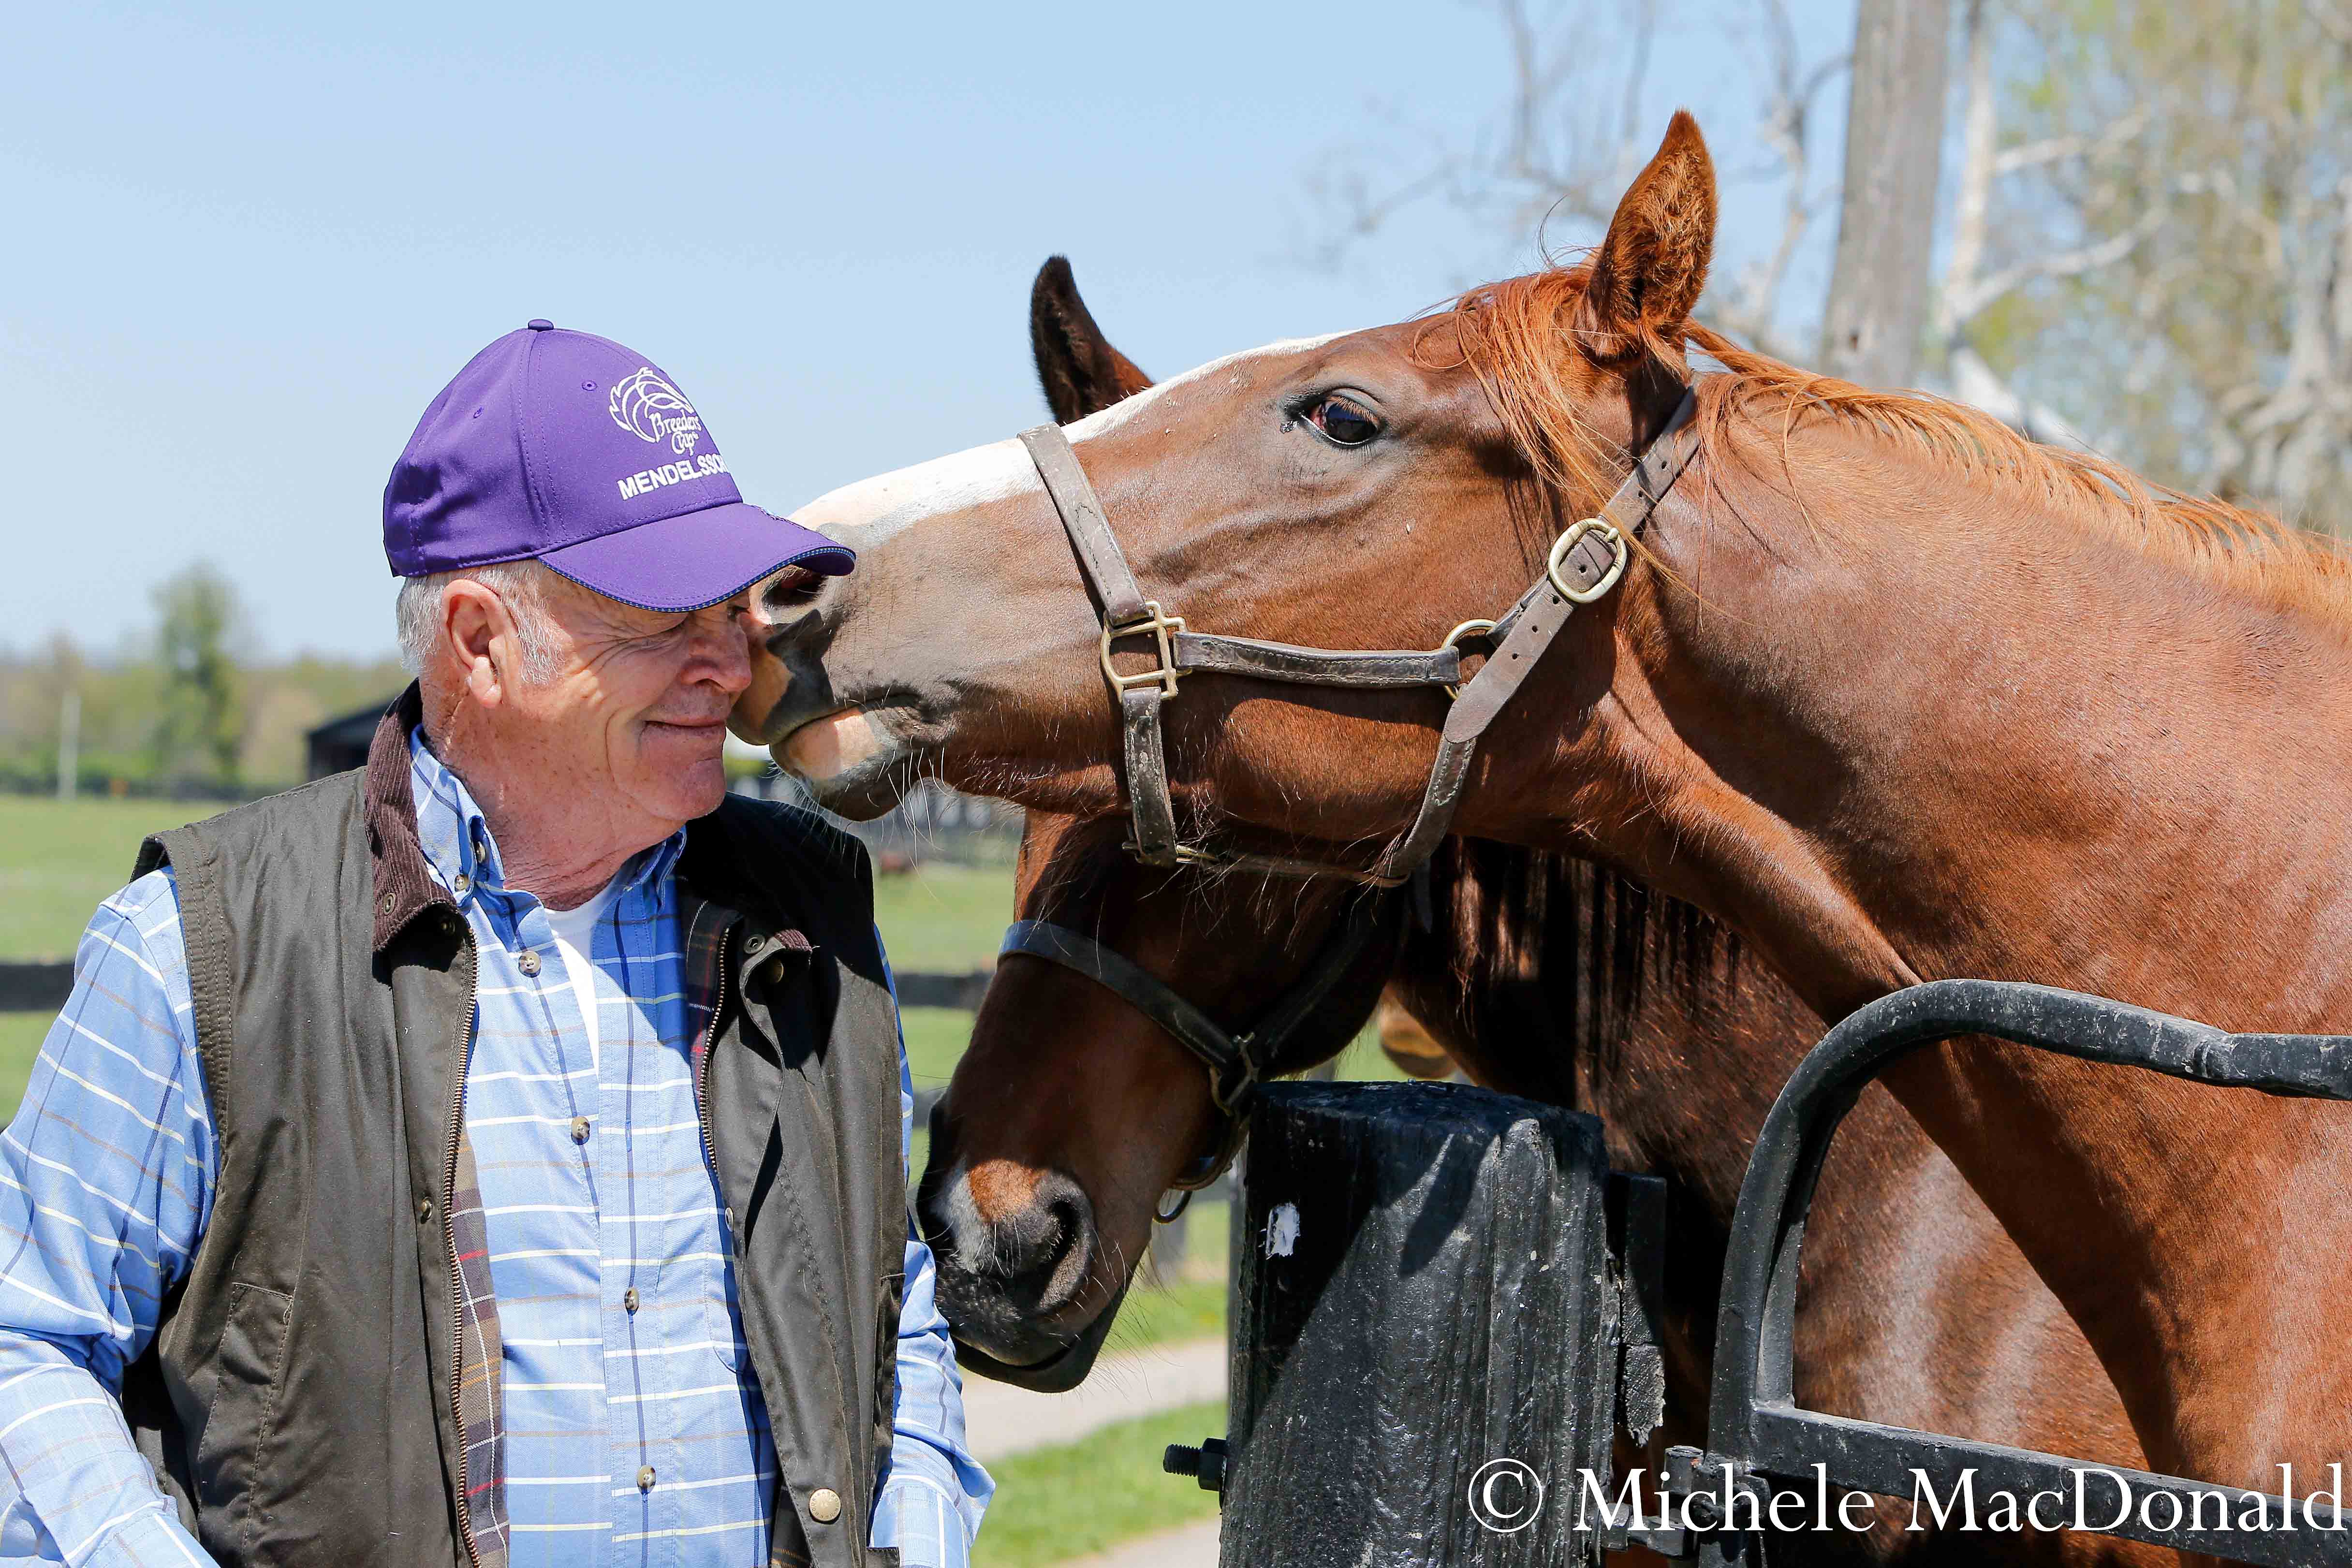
[1182,855]
[1568,541]
[1160,626]
[1454,639]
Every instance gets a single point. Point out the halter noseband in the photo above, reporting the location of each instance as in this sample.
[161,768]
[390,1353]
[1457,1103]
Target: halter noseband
[1585,562]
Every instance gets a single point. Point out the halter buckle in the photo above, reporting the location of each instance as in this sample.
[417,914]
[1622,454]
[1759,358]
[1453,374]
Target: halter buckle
[1576,533]
[1454,640]
[1161,627]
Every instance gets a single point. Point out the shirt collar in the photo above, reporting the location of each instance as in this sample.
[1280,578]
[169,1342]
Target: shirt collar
[458,845]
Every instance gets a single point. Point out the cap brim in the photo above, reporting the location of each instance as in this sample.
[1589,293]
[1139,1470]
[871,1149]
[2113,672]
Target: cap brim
[698,559]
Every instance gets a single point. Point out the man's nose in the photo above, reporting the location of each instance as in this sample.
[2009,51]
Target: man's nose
[723,652]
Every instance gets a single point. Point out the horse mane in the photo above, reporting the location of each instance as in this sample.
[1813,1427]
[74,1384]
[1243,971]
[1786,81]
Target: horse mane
[1520,337]
[1526,931]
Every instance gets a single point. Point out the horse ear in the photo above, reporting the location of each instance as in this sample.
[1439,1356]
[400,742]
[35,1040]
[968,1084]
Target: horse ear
[1080,372]
[1647,275]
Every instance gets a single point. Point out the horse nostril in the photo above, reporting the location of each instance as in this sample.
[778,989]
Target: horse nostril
[1035,1256]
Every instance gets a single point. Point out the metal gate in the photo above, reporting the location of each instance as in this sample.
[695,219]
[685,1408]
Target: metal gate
[1439,1281]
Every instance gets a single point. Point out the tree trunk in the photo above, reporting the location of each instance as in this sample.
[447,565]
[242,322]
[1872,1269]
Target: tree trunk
[1886,220]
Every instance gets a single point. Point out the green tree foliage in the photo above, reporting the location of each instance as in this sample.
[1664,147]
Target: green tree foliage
[186,707]
[199,725]
[2198,153]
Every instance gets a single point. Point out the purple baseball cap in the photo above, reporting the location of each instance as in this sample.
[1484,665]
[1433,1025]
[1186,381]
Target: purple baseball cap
[568,448]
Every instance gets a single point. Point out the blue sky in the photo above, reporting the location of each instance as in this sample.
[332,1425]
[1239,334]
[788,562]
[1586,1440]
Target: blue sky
[251,243]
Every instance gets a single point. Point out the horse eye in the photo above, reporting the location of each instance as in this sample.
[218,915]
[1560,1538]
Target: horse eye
[1345,421]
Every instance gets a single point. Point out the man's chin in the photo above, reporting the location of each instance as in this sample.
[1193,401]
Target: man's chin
[688,766]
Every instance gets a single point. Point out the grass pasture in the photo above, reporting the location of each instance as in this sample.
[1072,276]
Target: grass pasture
[59,858]
[1058,1503]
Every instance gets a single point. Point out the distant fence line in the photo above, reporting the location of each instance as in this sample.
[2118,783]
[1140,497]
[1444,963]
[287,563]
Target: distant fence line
[43,986]
[933,822]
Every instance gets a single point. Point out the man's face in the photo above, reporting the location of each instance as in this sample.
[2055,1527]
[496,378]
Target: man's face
[637,711]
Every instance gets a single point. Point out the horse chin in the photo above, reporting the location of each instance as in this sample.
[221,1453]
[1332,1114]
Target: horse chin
[849,759]
[1030,1354]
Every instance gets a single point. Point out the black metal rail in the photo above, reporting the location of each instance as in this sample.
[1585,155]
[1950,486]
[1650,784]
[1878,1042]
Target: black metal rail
[1755,1428]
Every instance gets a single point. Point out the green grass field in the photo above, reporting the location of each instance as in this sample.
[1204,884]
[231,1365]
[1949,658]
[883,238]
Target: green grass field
[20,1042]
[1065,1502]
[944,916]
[58,859]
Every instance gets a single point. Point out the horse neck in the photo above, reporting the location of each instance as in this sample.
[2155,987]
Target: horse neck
[1952,734]
[1568,982]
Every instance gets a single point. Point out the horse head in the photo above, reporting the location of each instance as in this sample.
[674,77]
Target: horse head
[1372,490]
[1073,1111]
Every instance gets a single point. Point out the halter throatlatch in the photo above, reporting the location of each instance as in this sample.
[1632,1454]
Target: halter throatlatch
[1584,564]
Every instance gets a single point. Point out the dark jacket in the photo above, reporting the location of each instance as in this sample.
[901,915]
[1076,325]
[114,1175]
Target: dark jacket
[309,1393]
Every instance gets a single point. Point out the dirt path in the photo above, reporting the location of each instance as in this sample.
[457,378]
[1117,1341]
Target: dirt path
[1001,1420]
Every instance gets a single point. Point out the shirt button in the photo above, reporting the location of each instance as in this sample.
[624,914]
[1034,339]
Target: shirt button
[462,886]
[527,961]
[578,1128]
[646,1478]
[629,1300]
[825,1505]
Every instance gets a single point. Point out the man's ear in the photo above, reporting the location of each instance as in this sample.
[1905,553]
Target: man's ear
[1648,272]
[1079,371]
[479,640]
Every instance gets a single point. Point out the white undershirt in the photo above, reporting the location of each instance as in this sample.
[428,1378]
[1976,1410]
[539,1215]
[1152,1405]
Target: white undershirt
[575,941]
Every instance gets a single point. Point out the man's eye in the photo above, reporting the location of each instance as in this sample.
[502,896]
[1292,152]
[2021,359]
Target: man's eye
[1344,420]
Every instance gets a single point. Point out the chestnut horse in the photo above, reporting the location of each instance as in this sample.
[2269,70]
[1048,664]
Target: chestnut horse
[1891,691]
[1549,977]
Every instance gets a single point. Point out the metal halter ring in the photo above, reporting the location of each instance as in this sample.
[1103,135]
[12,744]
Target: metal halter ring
[1568,541]
[1167,1215]
[1467,629]
[1159,626]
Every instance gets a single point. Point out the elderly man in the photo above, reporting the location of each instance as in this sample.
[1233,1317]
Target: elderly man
[496,1156]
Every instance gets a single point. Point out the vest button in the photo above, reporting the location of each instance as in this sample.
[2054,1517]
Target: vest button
[825,1505]
[527,961]
[646,1478]
[629,1300]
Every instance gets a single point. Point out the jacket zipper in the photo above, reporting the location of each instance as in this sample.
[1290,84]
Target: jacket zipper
[457,1274]
[702,1084]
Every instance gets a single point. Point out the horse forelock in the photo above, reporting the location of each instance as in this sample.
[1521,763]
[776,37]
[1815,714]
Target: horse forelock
[1520,338]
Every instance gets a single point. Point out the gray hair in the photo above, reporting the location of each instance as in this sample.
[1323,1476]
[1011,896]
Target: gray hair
[520,584]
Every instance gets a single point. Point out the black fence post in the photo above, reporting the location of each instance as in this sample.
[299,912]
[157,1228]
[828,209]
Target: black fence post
[1422,1366]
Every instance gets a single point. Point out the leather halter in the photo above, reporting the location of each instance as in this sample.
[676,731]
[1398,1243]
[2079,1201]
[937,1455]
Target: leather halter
[1236,1062]
[1585,563]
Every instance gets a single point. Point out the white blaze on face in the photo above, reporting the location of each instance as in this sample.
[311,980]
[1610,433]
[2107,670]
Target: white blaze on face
[865,514]
[862,515]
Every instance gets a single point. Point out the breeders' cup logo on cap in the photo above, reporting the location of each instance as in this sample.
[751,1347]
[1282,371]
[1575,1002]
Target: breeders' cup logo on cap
[647,406]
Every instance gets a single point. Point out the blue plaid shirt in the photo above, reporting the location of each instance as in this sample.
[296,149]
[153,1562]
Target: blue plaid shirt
[632,1432]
